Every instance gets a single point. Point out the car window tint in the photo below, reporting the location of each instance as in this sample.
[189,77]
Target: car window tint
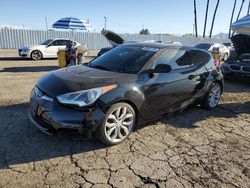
[60,43]
[178,58]
[199,58]
[124,59]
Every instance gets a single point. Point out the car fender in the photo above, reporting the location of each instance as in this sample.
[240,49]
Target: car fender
[130,94]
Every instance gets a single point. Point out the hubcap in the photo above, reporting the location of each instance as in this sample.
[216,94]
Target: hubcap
[36,55]
[119,124]
[214,96]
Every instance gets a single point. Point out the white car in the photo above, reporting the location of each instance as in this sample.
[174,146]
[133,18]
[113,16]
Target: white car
[47,49]
[224,51]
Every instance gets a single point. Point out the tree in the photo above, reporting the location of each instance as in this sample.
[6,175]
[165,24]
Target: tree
[205,23]
[231,20]
[242,3]
[215,11]
[195,20]
[144,32]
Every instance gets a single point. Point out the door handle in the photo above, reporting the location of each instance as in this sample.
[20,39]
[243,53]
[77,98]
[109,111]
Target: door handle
[191,77]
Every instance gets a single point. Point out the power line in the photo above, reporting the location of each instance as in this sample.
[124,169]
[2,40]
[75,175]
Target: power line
[124,25]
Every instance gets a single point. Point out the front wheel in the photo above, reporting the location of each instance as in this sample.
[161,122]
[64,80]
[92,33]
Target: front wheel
[119,123]
[36,55]
[212,98]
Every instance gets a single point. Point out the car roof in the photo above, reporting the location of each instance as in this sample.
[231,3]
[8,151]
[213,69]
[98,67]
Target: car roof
[161,46]
[62,39]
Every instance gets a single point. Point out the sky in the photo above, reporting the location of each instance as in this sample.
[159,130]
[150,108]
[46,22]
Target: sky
[123,16]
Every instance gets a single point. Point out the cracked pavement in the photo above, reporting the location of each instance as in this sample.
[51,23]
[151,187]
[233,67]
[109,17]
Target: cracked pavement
[194,148]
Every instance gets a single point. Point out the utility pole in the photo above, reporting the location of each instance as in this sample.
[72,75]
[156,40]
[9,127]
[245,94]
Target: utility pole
[105,22]
[248,9]
[195,19]
[46,22]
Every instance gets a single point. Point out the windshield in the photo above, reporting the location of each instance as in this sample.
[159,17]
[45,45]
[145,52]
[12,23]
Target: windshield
[124,59]
[47,42]
[203,46]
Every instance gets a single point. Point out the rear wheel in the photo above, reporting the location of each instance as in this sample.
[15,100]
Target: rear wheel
[212,98]
[36,55]
[119,123]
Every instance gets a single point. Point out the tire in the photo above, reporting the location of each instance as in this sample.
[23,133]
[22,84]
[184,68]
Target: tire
[36,55]
[212,98]
[119,122]
[225,57]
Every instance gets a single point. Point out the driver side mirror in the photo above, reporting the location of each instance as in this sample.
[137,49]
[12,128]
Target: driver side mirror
[160,68]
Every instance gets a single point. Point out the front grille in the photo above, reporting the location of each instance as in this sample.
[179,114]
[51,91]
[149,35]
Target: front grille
[246,69]
[42,123]
[235,67]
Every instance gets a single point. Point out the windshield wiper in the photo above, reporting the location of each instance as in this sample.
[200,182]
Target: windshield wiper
[102,68]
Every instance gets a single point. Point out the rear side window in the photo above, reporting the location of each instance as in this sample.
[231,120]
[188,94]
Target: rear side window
[179,59]
[60,43]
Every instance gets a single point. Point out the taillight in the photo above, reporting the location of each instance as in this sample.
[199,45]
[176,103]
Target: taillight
[217,63]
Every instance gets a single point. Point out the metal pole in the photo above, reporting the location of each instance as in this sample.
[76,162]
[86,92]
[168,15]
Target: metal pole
[248,10]
[105,22]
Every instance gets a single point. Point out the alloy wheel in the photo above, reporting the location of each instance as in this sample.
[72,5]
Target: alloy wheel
[214,95]
[119,124]
[36,55]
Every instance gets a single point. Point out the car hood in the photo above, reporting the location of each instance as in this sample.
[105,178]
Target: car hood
[241,43]
[113,38]
[81,77]
[33,47]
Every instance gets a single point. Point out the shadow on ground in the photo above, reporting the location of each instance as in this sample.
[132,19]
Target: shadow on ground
[29,69]
[237,86]
[20,59]
[23,143]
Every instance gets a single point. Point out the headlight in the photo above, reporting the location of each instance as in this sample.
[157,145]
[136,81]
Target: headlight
[84,98]
[25,49]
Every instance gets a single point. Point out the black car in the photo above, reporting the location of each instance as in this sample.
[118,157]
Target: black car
[125,87]
[238,67]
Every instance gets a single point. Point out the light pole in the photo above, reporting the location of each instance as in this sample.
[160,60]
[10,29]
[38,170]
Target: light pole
[105,22]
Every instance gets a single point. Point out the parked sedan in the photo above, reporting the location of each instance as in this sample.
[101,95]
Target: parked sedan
[47,49]
[224,50]
[239,66]
[124,88]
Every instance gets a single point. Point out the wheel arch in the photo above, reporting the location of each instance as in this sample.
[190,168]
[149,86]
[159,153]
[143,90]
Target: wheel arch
[131,103]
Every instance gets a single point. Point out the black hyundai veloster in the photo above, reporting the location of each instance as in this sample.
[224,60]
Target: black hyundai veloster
[126,86]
